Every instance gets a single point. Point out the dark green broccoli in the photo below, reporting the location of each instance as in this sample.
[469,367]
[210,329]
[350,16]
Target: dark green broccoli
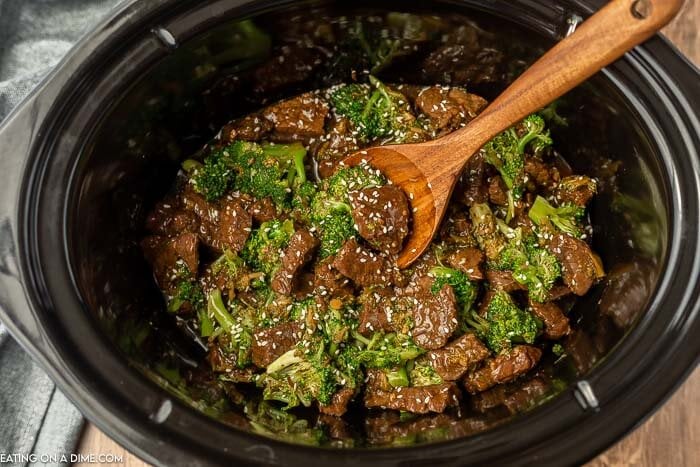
[504,323]
[213,178]
[531,265]
[566,218]
[302,199]
[262,250]
[386,351]
[188,291]
[376,111]
[423,374]
[238,325]
[506,152]
[464,289]
[294,379]
[349,179]
[269,171]
[267,420]
[336,328]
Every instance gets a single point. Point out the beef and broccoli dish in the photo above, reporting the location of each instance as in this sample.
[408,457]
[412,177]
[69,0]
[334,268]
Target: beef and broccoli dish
[281,258]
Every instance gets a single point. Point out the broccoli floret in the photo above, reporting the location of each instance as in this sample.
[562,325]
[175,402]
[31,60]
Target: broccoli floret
[188,291]
[504,323]
[506,152]
[294,380]
[238,326]
[302,199]
[566,218]
[348,179]
[532,266]
[349,367]
[262,250]
[464,289]
[486,230]
[213,178]
[336,327]
[423,374]
[331,216]
[376,111]
[387,351]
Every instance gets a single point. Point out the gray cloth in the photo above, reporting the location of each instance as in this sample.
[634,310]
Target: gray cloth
[34,35]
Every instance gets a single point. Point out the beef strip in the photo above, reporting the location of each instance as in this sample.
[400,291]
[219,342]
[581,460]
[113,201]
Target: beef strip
[628,287]
[168,219]
[233,229]
[264,210]
[448,108]
[498,191]
[472,187]
[463,64]
[543,175]
[503,280]
[166,254]
[364,267]
[339,143]
[576,189]
[434,317]
[514,399]
[580,266]
[376,310]
[339,403]
[382,216]
[467,260]
[424,399]
[291,65]
[329,282]
[227,362]
[300,118]
[503,368]
[249,128]
[457,357]
[556,324]
[270,343]
[299,252]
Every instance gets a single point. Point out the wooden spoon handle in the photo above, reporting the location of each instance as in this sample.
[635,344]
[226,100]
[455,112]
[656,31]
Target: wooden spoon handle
[604,37]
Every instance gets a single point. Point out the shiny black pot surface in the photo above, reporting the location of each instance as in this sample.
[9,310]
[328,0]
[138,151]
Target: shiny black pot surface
[88,153]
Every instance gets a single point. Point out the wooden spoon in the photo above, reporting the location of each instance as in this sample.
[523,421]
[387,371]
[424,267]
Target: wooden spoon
[427,172]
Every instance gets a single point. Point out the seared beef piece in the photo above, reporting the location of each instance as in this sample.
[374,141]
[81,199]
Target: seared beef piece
[166,254]
[364,267]
[503,368]
[522,220]
[270,343]
[169,220]
[329,282]
[543,175]
[233,228]
[434,317]
[557,292]
[514,399]
[264,210]
[498,191]
[376,311]
[249,128]
[628,288]
[467,260]
[304,286]
[503,280]
[336,427]
[222,226]
[556,324]
[381,216]
[292,65]
[448,108]
[463,64]
[299,252]
[457,357]
[227,362]
[339,403]
[300,118]
[424,399]
[457,228]
[580,348]
[339,143]
[576,189]
[472,187]
[580,266]
[377,380]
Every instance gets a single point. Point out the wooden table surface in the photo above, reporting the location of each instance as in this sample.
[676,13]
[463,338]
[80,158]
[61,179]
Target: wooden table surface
[671,437]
